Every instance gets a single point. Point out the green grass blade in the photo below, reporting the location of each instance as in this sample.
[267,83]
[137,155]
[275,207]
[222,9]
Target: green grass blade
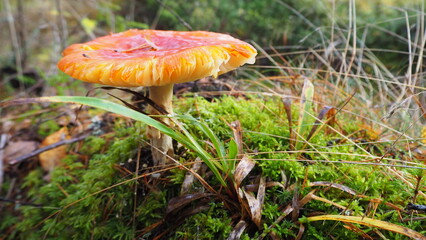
[186,139]
[218,145]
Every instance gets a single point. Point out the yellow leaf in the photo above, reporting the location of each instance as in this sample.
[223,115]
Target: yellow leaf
[52,158]
[89,25]
[371,223]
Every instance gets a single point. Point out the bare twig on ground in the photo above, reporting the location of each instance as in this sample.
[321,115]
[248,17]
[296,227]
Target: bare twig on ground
[49,147]
[2,199]
[3,140]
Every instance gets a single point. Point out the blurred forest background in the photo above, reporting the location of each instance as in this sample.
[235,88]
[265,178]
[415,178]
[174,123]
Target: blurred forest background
[377,46]
[36,31]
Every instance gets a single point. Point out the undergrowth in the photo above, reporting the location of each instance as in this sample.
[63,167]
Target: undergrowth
[81,201]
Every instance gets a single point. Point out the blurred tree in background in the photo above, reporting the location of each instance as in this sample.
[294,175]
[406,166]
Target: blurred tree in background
[36,31]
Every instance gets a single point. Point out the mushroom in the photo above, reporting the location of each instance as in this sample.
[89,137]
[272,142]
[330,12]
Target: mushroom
[155,59]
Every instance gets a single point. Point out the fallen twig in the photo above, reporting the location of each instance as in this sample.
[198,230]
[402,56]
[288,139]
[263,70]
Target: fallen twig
[49,147]
[3,139]
[417,207]
[2,199]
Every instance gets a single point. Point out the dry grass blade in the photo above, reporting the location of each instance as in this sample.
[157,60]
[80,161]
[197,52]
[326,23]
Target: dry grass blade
[238,135]
[301,231]
[326,111]
[243,169]
[177,203]
[128,104]
[289,209]
[255,208]
[356,229]
[315,197]
[3,141]
[237,231]
[141,96]
[189,177]
[333,185]
[371,223]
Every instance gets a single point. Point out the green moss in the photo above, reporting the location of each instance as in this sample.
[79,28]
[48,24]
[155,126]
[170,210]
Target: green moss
[47,128]
[215,223]
[92,145]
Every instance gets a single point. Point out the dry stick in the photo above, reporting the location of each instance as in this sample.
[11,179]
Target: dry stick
[354,38]
[22,32]
[13,37]
[49,147]
[135,189]
[3,139]
[17,202]
[63,34]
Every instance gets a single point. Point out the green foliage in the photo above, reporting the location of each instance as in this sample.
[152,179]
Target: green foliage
[265,22]
[62,84]
[92,145]
[48,127]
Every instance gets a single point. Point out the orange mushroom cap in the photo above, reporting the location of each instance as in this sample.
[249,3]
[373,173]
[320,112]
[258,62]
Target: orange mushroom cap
[154,58]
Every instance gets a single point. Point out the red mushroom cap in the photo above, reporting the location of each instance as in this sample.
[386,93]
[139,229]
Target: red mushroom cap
[154,58]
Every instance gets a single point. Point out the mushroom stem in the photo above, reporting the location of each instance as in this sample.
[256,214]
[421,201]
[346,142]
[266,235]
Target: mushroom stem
[161,144]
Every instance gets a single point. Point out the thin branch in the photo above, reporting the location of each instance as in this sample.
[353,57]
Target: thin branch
[3,139]
[13,36]
[49,147]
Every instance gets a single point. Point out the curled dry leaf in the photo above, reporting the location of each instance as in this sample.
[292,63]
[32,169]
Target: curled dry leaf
[237,231]
[243,169]
[256,203]
[177,203]
[189,177]
[326,111]
[238,135]
[52,158]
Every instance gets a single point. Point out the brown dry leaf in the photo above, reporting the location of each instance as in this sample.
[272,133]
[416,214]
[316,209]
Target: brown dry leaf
[237,231]
[371,223]
[52,158]
[177,203]
[256,203]
[238,135]
[370,132]
[189,178]
[18,148]
[243,169]
[326,111]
